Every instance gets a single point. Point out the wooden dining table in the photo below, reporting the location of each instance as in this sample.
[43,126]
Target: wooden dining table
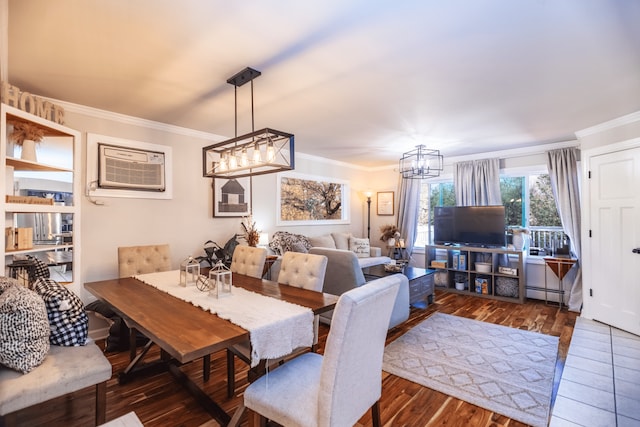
[185,332]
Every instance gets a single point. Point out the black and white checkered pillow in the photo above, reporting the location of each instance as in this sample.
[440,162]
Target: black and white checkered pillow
[68,321]
[41,269]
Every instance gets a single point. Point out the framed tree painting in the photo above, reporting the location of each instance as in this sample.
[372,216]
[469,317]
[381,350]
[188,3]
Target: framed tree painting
[231,197]
[311,200]
[385,202]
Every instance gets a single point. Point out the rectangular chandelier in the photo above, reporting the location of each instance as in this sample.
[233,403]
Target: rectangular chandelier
[257,153]
[421,163]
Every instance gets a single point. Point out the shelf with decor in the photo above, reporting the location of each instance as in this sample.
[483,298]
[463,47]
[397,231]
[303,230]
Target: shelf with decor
[496,273]
[40,198]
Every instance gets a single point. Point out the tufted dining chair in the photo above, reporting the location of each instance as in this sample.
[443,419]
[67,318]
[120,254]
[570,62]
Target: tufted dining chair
[134,260]
[248,260]
[338,388]
[297,269]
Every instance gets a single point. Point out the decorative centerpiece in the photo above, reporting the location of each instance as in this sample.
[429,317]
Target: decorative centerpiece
[250,232]
[27,135]
[389,235]
[220,279]
[393,267]
[189,272]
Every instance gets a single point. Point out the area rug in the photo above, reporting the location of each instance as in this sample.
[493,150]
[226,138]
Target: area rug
[505,370]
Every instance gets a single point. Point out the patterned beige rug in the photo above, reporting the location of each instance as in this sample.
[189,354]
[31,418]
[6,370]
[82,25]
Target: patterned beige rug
[502,369]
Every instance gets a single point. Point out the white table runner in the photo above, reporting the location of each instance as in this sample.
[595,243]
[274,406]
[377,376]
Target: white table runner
[276,327]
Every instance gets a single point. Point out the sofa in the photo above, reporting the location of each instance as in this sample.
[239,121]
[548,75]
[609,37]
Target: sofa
[344,273]
[366,254]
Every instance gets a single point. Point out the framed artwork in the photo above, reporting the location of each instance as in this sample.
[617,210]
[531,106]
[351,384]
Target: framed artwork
[311,200]
[385,203]
[231,197]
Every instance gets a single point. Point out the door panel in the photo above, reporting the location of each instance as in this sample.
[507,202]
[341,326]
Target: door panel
[615,223]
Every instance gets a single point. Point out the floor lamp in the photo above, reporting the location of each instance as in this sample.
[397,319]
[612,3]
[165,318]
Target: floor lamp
[368,194]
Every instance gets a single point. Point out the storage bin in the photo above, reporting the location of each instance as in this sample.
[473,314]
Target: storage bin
[507,287]
[483,267]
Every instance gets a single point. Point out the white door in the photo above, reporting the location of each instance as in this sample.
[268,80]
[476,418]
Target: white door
[615,227]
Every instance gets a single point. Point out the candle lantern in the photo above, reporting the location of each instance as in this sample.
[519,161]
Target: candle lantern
[189,272]
[220,278]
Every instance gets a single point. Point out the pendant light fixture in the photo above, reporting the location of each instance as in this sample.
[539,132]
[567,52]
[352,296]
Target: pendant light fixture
[256,153]
[421,163]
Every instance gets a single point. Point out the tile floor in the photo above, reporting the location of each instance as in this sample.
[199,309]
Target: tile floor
[600,383]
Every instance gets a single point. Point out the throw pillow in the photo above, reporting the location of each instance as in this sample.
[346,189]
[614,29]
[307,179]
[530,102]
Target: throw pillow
[342,240]
[68,321]
[299,247]
[24,329]
[41,269]
[361,247]
[325,241]
[283,241]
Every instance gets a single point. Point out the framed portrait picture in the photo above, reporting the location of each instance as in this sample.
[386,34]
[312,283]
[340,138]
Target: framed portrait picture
[385,202]
[311,200]
[231,197]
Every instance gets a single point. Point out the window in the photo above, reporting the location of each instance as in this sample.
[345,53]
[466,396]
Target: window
[432,194]
[513,199]
[542,207]
[527,198]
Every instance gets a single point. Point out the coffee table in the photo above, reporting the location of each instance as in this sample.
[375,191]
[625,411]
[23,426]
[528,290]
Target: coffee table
[421,284]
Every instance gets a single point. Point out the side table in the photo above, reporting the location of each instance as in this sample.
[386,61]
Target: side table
[560,267]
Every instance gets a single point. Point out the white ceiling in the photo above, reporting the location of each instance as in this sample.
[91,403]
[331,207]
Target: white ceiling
[358,81]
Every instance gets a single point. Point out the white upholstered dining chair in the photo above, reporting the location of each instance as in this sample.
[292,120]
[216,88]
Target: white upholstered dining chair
[338,388]
[248,260]
[297,269]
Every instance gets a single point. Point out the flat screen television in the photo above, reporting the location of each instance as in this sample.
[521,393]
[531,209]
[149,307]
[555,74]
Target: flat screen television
[470,225]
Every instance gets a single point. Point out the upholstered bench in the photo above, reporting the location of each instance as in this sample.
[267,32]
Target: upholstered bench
[64,370]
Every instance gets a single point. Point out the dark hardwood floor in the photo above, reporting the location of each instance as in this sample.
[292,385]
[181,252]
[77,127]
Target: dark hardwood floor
[159,401]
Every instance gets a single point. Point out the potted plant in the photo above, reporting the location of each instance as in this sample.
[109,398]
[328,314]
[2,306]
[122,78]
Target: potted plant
[250,232]
[389,234]
[26,135]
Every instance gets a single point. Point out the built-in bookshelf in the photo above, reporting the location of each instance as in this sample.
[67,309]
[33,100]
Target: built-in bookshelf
[35,223]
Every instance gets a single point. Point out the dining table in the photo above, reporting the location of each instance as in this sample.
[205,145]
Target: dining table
[185,332]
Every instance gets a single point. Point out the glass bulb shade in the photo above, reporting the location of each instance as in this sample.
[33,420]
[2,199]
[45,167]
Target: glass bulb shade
[233,161]
[257,156]
[271,152]
[244,159]
[222,164]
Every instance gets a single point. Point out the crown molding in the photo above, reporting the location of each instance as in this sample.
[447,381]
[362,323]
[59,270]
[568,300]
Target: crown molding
[515,152]
[331,161]
[611,124]
[136,121]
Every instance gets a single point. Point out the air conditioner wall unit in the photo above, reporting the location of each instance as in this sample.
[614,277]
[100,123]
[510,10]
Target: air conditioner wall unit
[131,169]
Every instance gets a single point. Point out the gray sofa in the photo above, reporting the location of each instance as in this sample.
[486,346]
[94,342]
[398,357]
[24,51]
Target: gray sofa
[345,242]
[344,272]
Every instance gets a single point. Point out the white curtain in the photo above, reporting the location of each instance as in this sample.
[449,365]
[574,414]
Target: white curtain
[409,210]
[563,172]
[477,183]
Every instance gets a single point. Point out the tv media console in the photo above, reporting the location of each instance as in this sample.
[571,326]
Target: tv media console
[496,273]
